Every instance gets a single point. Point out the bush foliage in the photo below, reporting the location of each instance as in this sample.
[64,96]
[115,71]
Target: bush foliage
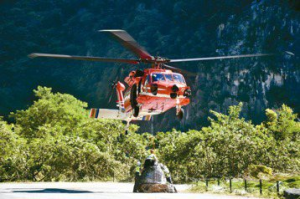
[54,140]
[230,145]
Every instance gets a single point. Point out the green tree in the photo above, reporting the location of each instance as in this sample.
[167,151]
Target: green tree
[12,153]
[229,145]
[54,140]
[282,123]
[62,111]
[64,144]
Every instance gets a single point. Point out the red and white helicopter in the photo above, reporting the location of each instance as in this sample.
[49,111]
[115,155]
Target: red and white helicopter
[151,91]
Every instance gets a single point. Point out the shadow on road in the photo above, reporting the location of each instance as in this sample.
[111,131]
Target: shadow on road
[53,191]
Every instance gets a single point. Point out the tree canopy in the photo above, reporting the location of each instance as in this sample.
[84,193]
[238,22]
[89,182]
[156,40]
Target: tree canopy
[54,140]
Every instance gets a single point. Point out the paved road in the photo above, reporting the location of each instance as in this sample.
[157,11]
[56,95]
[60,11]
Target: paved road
[99,190]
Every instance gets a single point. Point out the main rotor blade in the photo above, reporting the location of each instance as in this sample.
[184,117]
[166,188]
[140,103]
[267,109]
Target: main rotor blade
[84,58]
[214,58]
[128,42]
[111,93]
[180,70]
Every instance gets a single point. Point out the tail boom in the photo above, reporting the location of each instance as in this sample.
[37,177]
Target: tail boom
[116,115]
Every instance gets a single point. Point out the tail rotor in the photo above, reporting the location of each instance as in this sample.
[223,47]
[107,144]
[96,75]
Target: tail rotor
[114,84]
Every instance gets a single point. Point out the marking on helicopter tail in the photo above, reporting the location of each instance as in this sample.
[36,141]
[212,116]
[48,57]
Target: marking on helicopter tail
[97,113]
[92,113]
[146,118]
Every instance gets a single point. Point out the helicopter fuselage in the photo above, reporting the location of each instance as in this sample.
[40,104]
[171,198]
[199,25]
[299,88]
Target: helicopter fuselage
[155,91]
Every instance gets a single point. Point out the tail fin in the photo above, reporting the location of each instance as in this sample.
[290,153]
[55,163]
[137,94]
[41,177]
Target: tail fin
[94,112]
[146,118]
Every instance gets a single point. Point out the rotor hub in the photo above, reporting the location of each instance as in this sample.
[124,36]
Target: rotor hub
[155,60]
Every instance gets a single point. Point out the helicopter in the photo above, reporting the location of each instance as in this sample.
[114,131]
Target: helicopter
[151,91]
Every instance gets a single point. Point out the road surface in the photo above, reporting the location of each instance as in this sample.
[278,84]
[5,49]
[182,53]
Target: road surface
[99,190]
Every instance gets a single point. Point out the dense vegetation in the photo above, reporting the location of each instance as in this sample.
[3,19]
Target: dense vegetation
[230,146]
[174,29]
[54,140]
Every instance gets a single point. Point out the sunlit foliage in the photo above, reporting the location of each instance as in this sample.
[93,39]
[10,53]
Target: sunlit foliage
[230,145]
[54,140]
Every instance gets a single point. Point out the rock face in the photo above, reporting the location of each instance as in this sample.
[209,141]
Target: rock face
[153,175]
[292,194]
[259,83]
[154,180]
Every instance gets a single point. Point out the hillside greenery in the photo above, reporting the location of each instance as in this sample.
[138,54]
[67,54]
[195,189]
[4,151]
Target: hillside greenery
[54,140]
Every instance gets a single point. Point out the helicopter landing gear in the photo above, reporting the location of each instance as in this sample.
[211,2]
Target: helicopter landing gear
[133,101]
[136,111]
[127,128]
[133,96]
[180,113]
[179,110]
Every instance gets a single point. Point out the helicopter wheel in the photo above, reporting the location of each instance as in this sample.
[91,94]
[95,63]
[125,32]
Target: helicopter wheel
[136,111]
[133,96]
[180,114]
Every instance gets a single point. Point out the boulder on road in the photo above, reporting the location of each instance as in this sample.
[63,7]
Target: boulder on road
[153,180]
[292,193]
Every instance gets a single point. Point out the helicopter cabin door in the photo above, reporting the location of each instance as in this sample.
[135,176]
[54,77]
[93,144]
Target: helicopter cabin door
[145,87]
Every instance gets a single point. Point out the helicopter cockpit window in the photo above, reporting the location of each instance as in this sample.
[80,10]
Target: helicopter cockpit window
[169,77]
[178,78]
[158,77]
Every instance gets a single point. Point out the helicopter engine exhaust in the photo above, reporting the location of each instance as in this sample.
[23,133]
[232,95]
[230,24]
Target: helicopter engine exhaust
[174,89]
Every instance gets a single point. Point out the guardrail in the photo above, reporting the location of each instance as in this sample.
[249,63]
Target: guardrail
[256,184]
